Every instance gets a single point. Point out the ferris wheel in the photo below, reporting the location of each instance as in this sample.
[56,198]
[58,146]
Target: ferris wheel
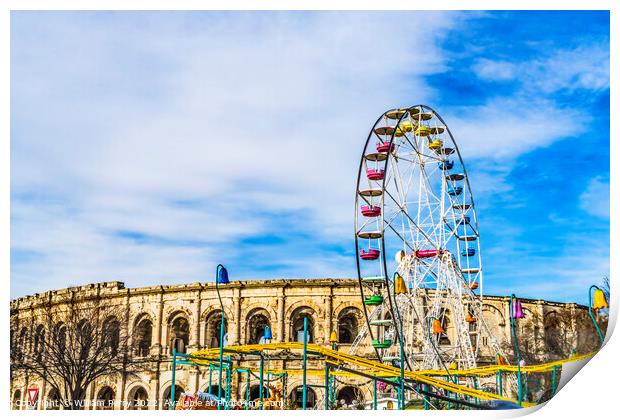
[418,244]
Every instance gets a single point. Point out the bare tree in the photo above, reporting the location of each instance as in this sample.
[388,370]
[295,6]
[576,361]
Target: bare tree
[71,347]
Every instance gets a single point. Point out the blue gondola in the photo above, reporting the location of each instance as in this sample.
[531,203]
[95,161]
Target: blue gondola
[468,252]
[455,191]
[446,165]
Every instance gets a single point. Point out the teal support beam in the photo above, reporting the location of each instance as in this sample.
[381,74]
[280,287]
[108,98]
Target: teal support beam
[284,388]
[327,391]
[247,391]
[374,394]
[513,324]
[173,386]
[210,379]
[305,360]
[501,383]
[229,370]
[554,380]
[601,337]
[260,386]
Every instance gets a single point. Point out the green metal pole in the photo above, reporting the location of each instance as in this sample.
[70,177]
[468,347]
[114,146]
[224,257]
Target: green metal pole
[601,337]
[426,406]
[554,380]
[327,386]
[219,381]
[260,386]
[374,397]
[228,381]
[513,324]
[284,388]
[304,387]
[401,390]
[210,377]
[501,383]
[247,391]
[174,370]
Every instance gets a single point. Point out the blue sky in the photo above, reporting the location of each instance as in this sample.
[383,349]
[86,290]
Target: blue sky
[148,147]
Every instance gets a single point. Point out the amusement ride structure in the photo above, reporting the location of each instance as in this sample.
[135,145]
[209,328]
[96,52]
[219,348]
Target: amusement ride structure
[418,245]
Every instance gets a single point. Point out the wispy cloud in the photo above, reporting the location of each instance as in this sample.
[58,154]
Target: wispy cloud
[595,199]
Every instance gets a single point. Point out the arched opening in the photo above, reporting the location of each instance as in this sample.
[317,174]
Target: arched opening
[179,333]
[17,400]
[348,325]
[142,337]
[105,398]
[84,337]
[39,342]
[555,334]
[111,335]
[255,392]
[212,329]
[60,336]
[214,387]
[297,324]
[296,397]
[349,395]
[53,400]
[139,399]
[256,322]
[178,390]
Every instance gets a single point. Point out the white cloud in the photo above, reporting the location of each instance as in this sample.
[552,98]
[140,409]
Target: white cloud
[595,199]
[494,70]
[118,116]
[566,70]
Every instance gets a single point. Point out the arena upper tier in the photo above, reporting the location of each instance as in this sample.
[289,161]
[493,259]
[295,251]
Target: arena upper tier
[187,316]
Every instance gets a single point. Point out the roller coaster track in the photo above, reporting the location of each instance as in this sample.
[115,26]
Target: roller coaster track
[366,367]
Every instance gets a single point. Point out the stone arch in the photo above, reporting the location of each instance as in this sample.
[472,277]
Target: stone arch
[348,395]
[497,316]
[106,398]
[111,330]
[178,331]
[255,322]
[296,323]
[17,400]
[212,328]
[555,333]
[138,397]
[142,335]
[166,394]
[295,396]
[349,320]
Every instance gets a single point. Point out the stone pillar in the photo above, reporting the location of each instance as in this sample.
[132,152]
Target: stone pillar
[280,320]
[157,345]
[328,314]
[195,332]
[235,338]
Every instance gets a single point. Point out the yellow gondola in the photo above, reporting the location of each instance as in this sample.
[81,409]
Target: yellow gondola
[435,144]
[422,131]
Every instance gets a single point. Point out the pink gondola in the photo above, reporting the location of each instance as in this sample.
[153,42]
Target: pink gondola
[427,253]
[375,174]
[371,254]
[371,211]
[384,147]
